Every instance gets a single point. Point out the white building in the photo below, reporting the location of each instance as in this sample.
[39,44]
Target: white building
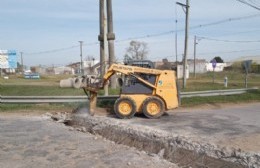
[64,70]
[219,67]
[180,72]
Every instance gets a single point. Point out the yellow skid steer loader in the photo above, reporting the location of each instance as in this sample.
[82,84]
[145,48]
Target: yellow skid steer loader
[143,90]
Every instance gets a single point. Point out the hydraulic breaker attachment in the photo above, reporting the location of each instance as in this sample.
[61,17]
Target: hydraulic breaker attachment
[92,102]
[91,85]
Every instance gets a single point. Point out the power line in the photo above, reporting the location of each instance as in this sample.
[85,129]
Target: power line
[252,4]
[229,41]
[213,53]
[255,2]
[59,50]
[243,32]
[51,51]
[192,27]
[148,36]
[225,21]
[228,52]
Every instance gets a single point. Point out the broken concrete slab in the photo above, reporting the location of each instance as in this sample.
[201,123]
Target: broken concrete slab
[181,143]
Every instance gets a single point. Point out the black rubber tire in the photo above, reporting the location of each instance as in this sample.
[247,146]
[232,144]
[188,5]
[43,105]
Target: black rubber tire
[158,109]
[129,107]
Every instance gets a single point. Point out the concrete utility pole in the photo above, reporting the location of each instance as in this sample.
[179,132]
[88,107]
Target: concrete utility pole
[111,38]
[101,38]
[195,44]
[22,61]
[176,37]
[187,6]
[176,43]
[106,36]
[105,47]
[81,61]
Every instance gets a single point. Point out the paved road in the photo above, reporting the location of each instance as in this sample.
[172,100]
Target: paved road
[38,142]
[235,126]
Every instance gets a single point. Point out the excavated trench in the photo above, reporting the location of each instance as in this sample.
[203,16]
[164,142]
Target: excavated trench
[177,149]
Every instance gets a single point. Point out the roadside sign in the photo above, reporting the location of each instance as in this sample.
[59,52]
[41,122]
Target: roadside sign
[8,59]
[247,65]
[214,63]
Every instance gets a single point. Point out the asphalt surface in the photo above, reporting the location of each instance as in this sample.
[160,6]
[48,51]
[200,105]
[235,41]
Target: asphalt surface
[29,141]
[227,134]
[235,126]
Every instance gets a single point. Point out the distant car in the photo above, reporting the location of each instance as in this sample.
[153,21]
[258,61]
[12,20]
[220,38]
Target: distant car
[32,76]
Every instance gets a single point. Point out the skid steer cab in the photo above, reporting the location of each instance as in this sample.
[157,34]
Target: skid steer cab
[143,90]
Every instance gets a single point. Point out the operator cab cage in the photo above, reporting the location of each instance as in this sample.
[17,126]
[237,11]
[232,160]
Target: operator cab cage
[141,63]
[131,85]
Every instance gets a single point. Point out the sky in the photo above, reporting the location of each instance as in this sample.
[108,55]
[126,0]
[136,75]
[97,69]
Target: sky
[47,32]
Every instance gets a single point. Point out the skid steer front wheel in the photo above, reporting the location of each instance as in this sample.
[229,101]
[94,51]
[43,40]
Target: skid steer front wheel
[125,107]
[153,107]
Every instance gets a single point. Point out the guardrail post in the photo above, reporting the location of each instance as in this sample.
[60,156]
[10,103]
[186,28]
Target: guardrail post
[225,81]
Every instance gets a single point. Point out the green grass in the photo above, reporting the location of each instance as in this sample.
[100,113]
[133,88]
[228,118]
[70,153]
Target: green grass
[236,80]
[245,98]
[49,86]
[37,90]
[67,107]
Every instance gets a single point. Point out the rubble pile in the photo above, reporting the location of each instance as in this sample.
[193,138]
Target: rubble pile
[175,148]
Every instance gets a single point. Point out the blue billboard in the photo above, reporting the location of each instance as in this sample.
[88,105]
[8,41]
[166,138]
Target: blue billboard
[8,59]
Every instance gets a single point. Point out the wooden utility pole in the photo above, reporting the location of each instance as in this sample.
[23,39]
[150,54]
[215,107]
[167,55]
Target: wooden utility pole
[187,6]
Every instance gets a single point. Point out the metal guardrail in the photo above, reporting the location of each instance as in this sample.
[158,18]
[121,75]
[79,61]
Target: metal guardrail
[217,92]
[48,99]
[70,99]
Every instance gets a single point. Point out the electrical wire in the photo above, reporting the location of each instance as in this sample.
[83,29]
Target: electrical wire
[150,35]
[228,52]
[213,53]
[235,33]
[59,50]
[229,41]
[252,4]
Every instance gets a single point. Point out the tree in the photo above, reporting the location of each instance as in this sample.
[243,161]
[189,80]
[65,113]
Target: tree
[136,51]
[218,59]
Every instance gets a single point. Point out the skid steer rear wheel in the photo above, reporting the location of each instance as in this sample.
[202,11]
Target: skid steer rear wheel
[125,107]
[153,107]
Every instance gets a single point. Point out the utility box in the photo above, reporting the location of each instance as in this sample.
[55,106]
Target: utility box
[180,72]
